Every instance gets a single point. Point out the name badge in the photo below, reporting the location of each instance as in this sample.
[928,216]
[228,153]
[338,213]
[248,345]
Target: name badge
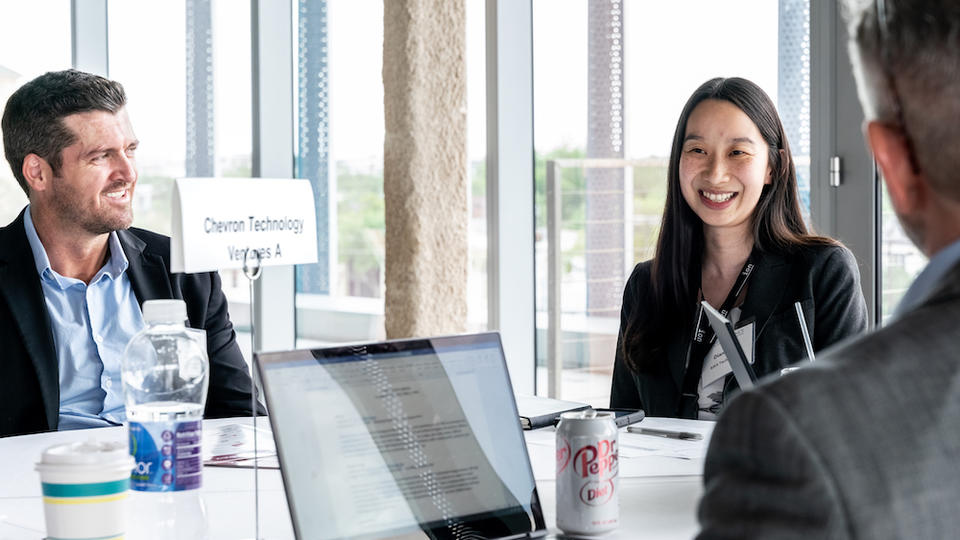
[715,365]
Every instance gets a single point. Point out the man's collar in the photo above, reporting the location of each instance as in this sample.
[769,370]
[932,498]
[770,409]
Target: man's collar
[115,266]
[39,253]
[929,277]
[118,263]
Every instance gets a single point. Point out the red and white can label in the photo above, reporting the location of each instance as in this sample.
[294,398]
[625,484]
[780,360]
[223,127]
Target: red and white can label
[587,477]
[596,466]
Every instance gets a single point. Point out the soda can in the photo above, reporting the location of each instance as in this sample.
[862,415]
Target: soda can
[588,499]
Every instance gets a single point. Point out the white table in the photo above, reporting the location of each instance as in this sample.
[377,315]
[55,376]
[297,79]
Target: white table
[658,494]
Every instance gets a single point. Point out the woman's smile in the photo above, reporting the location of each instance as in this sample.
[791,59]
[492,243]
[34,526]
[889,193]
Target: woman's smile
[717,200]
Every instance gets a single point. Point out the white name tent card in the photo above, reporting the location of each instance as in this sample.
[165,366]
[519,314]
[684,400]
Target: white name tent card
[216,221]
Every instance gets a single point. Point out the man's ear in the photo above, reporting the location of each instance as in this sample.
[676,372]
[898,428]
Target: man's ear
[907,187]
[37,172]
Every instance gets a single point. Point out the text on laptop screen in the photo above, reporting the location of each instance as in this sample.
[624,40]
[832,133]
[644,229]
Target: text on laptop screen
[396,438]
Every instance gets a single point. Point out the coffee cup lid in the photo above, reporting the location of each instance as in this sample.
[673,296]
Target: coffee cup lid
[91,452]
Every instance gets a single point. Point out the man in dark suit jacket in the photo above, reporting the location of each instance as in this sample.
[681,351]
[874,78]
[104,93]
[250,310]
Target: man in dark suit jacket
[865,443]
[71,146]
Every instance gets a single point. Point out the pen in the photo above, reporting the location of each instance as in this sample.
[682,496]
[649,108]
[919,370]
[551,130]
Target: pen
[682,435]
[804,331]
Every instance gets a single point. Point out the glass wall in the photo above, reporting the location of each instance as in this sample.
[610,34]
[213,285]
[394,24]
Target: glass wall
[339,143]
[147,56]
[23,56]
[900,260]
[610,79]
[477,166]
[185,66]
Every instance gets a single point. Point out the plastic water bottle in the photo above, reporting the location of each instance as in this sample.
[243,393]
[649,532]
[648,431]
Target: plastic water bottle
[165,377]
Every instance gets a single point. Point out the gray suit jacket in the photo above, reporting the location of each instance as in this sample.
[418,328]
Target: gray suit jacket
[865,443]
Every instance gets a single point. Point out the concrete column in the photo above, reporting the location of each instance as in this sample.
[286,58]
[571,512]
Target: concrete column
[425,166]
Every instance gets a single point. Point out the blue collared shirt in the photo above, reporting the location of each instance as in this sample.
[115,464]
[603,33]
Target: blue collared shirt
[923,286]
[91,327]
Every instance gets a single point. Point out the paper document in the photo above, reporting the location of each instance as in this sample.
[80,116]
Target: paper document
[638,445]
[231,445]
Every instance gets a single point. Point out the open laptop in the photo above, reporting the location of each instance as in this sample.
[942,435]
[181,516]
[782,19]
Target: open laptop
[413,438]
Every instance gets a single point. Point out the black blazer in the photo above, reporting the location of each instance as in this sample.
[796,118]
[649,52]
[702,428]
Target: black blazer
[29,370]
[824,279]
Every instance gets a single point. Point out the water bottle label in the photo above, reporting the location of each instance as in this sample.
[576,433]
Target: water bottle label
[167,455]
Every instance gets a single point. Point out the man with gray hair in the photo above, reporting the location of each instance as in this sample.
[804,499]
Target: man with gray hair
[866,442]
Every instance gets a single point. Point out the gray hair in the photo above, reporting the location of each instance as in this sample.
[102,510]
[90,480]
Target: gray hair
[919,49]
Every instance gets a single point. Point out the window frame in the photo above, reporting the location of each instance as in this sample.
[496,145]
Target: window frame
[848,211]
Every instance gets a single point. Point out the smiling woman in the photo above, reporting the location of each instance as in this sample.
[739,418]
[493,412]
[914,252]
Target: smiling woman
[733,235]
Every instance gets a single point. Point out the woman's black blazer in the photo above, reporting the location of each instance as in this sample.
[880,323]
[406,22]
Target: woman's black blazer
[824,279]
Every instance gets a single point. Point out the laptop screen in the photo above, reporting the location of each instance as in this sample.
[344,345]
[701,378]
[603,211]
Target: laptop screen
[404,439]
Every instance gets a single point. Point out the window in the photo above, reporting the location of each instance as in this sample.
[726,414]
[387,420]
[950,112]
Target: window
[610,80]
[24,56]
[477,166]
[186,69]
[339,145]
[900,260]
[146,55]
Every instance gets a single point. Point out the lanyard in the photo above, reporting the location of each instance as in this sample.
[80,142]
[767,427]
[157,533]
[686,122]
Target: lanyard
[703,338]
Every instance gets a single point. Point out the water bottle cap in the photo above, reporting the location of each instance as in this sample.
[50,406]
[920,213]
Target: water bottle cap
[161,311]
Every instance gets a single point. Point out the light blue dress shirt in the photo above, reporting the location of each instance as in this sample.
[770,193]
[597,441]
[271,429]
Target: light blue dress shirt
[923,286]
[91,327]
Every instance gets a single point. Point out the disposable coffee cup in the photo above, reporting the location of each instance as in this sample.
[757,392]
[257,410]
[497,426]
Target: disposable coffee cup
[85,489]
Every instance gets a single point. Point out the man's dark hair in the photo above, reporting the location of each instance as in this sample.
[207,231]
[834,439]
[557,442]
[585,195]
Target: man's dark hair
[33,118]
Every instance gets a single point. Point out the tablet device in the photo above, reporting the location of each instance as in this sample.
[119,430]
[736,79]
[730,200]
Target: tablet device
[742,370]
[624,417]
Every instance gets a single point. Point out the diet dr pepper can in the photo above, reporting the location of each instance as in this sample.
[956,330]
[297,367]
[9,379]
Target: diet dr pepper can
[587,484]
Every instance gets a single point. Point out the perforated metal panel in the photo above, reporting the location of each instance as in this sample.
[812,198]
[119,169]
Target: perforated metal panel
[200,151]
[793,88]
[313,131]
[604,195]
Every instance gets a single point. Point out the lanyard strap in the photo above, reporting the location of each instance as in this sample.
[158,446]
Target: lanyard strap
[703,338]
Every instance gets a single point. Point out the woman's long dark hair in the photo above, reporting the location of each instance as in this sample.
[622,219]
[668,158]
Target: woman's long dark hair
[674,279]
